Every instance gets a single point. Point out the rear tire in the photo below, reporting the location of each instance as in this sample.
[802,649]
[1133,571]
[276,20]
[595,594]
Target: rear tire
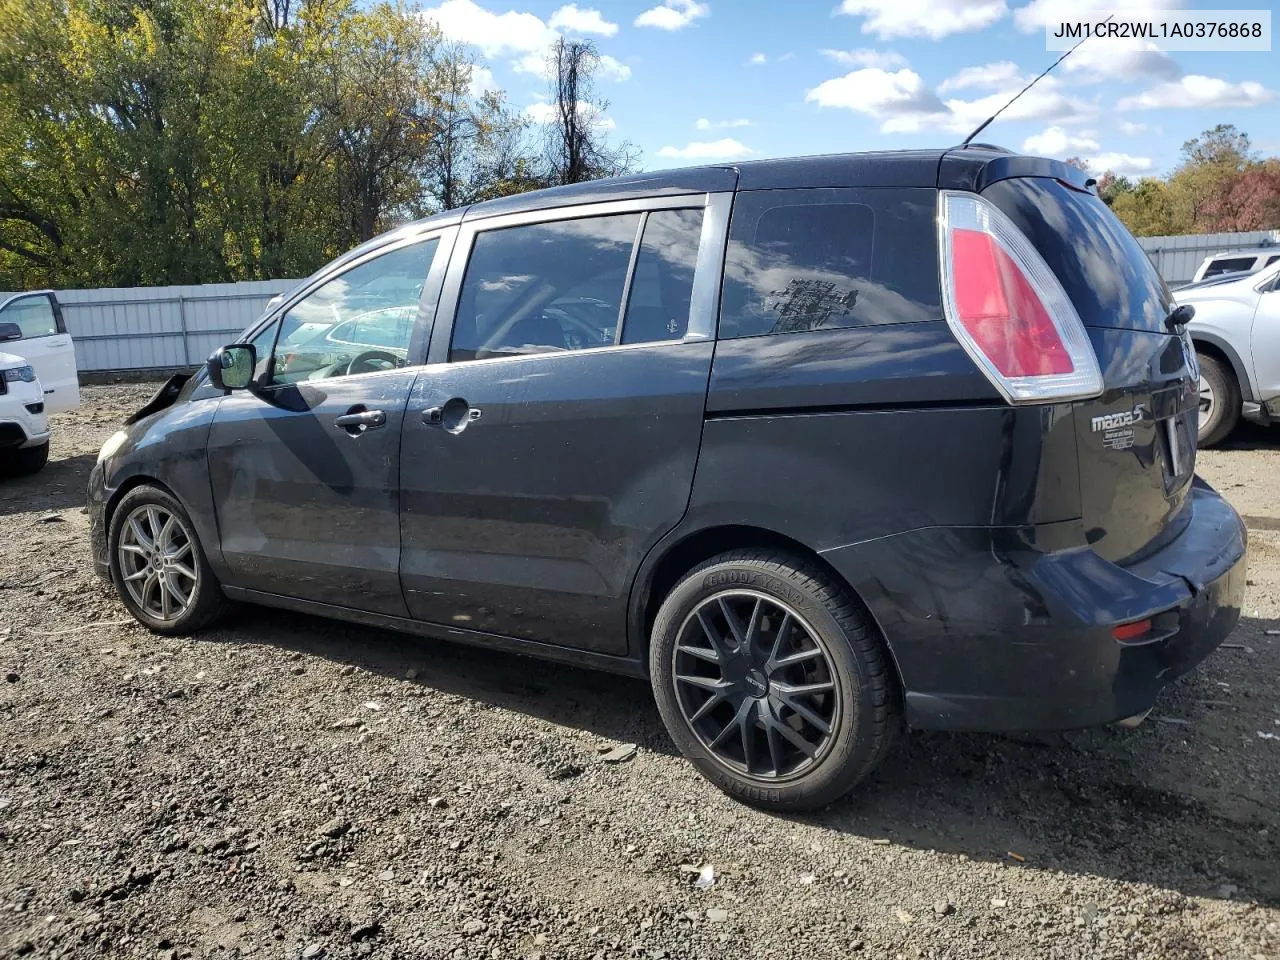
[26,460]
[158,566]
[1219,401]
[793,650]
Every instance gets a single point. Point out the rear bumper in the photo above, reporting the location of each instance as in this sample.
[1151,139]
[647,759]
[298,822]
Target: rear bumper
[1005,636]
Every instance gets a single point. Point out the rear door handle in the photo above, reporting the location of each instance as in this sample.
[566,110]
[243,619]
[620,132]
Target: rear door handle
[357,422]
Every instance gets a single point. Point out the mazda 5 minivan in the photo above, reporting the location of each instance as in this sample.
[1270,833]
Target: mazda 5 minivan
[823,448]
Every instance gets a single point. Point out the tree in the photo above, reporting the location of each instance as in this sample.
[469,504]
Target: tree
[1222,145]
[577,147]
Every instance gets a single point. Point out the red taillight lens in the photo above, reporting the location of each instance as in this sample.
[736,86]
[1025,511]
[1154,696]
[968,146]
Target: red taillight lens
[1131,631]
[1007,308]
[1001,311]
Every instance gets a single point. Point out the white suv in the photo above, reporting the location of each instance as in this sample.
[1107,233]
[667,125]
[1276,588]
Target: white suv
[24,425]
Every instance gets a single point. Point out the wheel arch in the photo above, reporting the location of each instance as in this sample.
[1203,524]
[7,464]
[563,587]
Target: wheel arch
[678,554]
[1216,346]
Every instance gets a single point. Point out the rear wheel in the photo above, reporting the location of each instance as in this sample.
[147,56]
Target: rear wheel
[772,680]
[1219,401]
[26,460]
[157,564]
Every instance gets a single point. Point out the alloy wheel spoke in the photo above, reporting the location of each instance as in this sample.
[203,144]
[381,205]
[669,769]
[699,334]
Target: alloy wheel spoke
[775,748]
[708,705]
[806,712]
[753,625]
[183,569]
[792,659]
[133,548]
[779,639]
[166,603]
[793,737]
[713,635]
[714,684]
[732,725]
[735,625]
[141,538]
[138,575]
[179,553]
[165,537]
[702,653]
[144,592]
[153,524]
[747,727]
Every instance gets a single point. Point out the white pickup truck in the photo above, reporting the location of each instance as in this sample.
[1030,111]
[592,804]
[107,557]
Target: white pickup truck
[38,376]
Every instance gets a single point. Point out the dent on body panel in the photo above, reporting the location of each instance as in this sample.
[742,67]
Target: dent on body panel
[170,447]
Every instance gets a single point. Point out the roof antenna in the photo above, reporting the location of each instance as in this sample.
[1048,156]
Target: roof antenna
[987,122]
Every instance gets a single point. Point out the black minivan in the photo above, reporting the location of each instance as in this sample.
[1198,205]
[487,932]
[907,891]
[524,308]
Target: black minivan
[824,448]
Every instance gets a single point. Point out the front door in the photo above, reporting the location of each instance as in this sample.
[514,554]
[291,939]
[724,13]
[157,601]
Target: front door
[1265,341]
[304,467]
[555,440]
[45,344]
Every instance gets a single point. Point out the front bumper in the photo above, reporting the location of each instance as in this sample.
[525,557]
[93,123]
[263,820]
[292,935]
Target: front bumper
[1006,637]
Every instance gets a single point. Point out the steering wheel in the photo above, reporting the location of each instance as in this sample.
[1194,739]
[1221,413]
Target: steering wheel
[371,361]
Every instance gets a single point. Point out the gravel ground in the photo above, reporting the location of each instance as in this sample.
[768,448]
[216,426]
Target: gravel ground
[290,787]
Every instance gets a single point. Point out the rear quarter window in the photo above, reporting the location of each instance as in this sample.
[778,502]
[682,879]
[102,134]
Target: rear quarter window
[802,260]
[1104,271]
[1232,265]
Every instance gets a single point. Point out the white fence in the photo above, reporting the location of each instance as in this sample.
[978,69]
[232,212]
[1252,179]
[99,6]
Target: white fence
[1178,257]
[160,328]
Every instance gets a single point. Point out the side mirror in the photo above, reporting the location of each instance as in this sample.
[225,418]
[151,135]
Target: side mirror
[10,331]
[231,367]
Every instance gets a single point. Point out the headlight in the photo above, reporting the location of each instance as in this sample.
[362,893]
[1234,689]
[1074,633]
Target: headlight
[25,374]
[114,443]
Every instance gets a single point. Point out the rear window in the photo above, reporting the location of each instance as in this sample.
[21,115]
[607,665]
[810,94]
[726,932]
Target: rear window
[801,260]
[1232,265]
[1098,262]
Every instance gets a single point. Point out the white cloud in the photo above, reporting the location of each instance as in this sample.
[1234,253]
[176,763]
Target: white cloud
[903,104]
[546,113]
[757,60]
[1057,142]
[1122,163]
[1137,129]
[1197,91]
[614,70]
[482,81]
[924,18]
[986,76]
[726,149]
[1121,60]
[673,14]
[572,20]
[877,93]
[496,34]
[521,36]
[705,124]
[1042,13]
[884,59]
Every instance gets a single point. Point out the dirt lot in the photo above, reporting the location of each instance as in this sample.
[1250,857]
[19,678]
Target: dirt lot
[289,787]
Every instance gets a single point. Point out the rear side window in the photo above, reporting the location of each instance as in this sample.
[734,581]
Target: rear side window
[1104,271]
[1232,265]
[817,259]
[662,288]
[1271,260]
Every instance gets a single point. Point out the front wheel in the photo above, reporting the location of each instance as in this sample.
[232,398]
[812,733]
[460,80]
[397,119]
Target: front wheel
[28,460]
[158,566]
[1219,401]
[772,680]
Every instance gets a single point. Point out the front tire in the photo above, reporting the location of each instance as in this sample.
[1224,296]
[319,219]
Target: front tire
[773,680]
[157,565]
[27,460]
[1219,401]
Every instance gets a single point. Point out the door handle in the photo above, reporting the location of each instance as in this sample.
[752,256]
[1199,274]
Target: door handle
[453,417]
[358,421]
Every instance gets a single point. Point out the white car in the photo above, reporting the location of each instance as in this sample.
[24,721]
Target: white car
[1236,331]
[31,326]
[24,424]
[1236,261]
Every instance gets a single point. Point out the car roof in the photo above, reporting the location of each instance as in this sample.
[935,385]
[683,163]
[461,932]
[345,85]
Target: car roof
[959,168]
[1248,252]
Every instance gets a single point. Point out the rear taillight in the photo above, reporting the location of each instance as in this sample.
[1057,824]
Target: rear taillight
[1007,308]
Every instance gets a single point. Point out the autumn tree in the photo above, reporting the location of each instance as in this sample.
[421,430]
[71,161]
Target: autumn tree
[577,143]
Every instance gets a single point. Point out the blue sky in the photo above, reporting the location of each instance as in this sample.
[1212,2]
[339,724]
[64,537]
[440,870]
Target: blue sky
[699,82]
